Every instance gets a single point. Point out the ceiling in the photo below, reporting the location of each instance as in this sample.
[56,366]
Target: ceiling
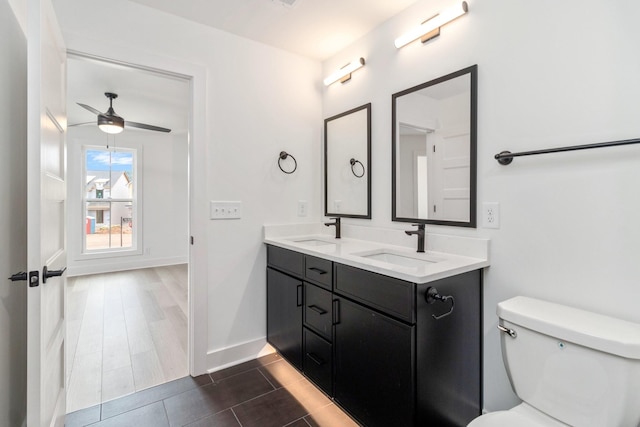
[313,28]
[143,96]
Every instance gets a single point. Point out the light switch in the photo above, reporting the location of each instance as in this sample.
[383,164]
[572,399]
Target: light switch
[225,210]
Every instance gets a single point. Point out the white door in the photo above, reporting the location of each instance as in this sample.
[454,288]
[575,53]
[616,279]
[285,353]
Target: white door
[46,207]
[450,172]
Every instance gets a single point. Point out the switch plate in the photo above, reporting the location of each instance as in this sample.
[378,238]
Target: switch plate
[491,215]
[225,210]
[303,207]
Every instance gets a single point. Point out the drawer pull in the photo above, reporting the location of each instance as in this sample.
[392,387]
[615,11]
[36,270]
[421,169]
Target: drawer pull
[317,270]
[317,360]
[317,309]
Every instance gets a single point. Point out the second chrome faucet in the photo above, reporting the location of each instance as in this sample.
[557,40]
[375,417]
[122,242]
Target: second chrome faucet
[420,233]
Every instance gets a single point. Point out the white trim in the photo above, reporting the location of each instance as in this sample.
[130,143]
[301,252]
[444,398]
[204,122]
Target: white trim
[118,265]
[81,45]
[234,355]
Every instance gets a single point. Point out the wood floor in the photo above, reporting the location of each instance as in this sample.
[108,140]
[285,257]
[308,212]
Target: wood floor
[126,331]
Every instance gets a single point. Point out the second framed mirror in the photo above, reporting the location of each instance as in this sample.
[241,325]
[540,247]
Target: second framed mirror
[347,167]
[434,151]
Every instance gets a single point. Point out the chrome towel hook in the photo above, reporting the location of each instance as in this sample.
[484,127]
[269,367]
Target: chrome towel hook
[283,156]
[432,296]
[353,163]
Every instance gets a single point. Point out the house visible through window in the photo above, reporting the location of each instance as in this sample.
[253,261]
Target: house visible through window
[109,199]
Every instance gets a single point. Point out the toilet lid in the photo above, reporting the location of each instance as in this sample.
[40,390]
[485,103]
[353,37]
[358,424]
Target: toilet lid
[520,416]
[504,419]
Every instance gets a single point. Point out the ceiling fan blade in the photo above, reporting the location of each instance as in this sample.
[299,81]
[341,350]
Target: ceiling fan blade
[82,124]
[144,126]
[87,107]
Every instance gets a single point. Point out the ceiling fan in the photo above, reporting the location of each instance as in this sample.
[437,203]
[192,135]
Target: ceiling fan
[110,122]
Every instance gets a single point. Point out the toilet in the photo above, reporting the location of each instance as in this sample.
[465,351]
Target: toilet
[568,366]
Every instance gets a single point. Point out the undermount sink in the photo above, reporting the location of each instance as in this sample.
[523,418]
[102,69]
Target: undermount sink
[398,259]
[313,242]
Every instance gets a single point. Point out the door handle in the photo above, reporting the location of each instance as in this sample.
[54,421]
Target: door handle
[336,311]
[46,273]
[299,296]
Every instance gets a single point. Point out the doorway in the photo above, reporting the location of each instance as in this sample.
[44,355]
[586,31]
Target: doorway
[127,308]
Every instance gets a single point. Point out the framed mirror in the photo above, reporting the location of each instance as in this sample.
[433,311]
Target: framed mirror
[434,144]
[347,166]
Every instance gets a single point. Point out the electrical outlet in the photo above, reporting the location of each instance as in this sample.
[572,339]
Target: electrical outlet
[303,207]
[491,215]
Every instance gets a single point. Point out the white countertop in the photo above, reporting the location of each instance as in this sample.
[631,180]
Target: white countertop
[424,267]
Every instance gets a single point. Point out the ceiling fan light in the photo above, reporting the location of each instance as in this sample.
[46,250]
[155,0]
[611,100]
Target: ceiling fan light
[110,124]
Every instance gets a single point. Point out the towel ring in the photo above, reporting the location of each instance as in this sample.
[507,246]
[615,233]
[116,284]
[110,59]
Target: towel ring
[353,163]
[283,155]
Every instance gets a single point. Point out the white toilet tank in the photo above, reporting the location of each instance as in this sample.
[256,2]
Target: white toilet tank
[578,367]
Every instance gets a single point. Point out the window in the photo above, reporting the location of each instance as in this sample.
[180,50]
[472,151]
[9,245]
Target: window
[109,200]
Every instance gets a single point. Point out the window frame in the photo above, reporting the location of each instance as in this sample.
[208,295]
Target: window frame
[136,210]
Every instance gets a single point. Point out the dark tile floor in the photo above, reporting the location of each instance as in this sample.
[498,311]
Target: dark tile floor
[266,392]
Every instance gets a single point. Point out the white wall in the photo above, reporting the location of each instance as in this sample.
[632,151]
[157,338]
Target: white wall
[163,198]
[550,74]
[13,214]
[259,101]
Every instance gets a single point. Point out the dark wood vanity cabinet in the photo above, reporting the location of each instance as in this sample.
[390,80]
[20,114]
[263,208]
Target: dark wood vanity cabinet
[284,315]
[374,365]
[385,352]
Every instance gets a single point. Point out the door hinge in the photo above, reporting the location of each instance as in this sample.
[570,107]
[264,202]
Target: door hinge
[191,240]
[434,148]
[434,208]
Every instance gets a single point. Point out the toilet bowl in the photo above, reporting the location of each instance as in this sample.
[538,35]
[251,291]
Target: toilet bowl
[569,367]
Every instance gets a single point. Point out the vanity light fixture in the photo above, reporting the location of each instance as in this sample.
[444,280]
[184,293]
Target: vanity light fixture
[430,28]
[344,73]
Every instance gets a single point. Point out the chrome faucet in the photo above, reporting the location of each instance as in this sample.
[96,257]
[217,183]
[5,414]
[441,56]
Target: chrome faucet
[420,233]
[336,222]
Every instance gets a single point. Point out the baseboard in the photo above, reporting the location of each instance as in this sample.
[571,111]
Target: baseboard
[120,265]
[233,355]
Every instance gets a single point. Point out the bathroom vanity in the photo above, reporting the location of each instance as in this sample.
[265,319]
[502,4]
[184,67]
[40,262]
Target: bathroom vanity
[392,336]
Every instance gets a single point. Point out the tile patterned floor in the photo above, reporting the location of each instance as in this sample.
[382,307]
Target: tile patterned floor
[266,392]
[126,331]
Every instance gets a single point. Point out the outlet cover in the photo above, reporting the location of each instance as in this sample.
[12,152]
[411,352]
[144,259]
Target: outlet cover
[491,215]
[303,207]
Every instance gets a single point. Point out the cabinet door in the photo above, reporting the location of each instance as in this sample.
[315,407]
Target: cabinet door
[374,366]
[284,315]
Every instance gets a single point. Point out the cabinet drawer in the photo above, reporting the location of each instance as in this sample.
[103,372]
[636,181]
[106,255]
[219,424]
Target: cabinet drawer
[285,260]
[387,294]
[318,361]
[318,313]
[319,271]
